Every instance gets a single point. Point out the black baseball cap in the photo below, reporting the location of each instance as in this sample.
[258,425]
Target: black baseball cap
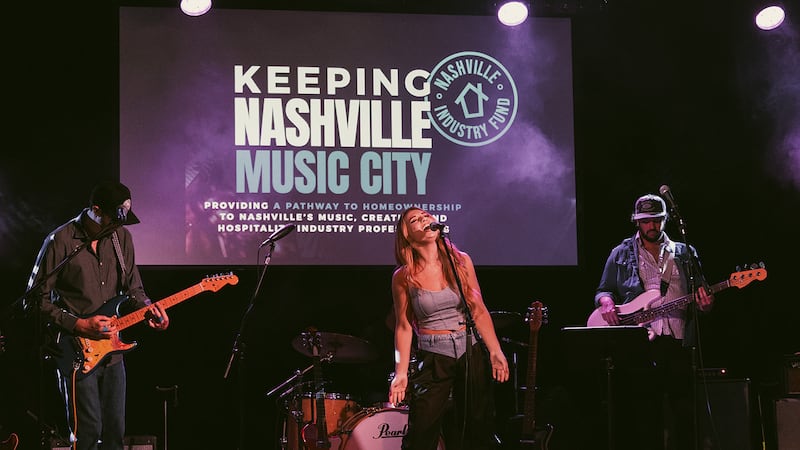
[649,206]
[114,199]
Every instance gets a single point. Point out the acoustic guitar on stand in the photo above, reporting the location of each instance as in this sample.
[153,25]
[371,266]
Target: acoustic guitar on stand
[82,354]
[647,307]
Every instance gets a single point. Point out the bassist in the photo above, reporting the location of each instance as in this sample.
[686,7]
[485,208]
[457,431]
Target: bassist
[651,261]
[81,265]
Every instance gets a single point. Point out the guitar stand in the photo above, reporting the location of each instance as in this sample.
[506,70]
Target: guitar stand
[609,348]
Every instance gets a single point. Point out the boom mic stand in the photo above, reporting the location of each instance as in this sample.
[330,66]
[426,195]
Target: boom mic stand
[470,325]
[693,272]
[239,346]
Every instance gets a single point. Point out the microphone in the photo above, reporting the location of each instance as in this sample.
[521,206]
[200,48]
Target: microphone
[665,192]
[279,234]
[436,226]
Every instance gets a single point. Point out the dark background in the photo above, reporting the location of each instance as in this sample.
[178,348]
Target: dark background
[686,94]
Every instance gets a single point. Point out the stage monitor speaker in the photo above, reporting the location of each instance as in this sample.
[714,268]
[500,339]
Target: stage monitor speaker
[787,418]
[725,421]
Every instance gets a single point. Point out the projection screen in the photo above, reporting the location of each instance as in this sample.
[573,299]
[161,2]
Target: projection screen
[238,122]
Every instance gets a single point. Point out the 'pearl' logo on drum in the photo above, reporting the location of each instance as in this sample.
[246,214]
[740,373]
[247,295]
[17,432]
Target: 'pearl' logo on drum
[385,431]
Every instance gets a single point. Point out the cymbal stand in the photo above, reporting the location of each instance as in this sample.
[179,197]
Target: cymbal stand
[517,388]
[292,409]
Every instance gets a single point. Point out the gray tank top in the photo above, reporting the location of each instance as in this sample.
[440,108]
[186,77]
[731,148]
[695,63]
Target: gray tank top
[437,310]
[440,310]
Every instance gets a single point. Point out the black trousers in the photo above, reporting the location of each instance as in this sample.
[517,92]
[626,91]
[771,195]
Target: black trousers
[441,391]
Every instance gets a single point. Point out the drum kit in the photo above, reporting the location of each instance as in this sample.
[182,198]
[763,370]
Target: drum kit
[346,425]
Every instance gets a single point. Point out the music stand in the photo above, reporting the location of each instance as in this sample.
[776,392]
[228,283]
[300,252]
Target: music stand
[609,348]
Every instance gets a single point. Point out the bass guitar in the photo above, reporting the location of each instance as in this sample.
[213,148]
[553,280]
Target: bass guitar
[81,355]
[648,307]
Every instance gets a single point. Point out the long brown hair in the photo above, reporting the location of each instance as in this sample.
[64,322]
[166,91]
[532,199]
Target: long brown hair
[406,255]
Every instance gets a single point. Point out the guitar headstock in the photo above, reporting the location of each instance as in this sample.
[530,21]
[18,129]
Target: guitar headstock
[536,315]
[742,278]
[216,282]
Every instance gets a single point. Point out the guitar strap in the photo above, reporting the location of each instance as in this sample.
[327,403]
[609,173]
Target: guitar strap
[666,273]
[121,260]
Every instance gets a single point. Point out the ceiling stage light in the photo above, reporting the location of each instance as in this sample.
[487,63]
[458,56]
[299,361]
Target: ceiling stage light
[195,7]
[512,13]
[770,17]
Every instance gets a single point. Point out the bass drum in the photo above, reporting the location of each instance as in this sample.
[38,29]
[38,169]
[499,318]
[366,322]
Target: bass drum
[338,409]
[377,429]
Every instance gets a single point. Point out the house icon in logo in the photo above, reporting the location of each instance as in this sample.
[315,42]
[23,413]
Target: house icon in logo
[472,94]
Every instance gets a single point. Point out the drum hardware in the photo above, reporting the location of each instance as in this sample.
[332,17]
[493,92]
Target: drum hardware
[511,321]
[339,348]
[506,319]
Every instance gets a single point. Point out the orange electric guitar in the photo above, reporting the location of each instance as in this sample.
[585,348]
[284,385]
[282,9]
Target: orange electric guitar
[82,354]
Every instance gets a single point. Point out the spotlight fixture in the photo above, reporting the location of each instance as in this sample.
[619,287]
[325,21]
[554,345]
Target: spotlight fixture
[195,7]
[770,17]
[512,13]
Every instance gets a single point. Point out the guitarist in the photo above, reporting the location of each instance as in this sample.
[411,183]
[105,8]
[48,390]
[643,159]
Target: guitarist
[650,260]
[81,265]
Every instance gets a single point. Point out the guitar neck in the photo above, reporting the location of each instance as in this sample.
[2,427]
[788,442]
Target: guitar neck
[653,313]
[139,315]
[529,421]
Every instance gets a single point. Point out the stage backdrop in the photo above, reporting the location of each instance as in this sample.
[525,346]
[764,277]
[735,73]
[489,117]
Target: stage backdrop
[238,122]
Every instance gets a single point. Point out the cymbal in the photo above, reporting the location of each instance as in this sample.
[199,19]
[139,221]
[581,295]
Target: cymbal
[505,319]
[341,348]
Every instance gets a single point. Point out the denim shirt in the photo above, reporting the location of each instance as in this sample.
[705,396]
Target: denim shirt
[620,279]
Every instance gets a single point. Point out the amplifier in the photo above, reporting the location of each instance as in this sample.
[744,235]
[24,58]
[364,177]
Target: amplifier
[791,374]
[787,416]
[728,424]
[129,443]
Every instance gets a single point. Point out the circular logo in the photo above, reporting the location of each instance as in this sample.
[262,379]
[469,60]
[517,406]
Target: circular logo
[473,99]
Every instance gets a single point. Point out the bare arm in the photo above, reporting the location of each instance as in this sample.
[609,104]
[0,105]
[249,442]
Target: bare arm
[483,322]
[403,334]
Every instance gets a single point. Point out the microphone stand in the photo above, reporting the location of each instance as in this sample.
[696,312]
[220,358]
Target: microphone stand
[692,269]
[37,328]
[239,346]
[470,325]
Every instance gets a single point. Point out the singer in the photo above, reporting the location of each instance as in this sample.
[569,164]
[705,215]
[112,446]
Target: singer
[650,261]
[427,301]
[102,269]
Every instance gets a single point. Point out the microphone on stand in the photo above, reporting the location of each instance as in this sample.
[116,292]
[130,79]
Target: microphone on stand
[436,226]
[666,193]
[279,234]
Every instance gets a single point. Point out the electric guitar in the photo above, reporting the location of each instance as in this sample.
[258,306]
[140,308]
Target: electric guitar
[81,355]
[522,429]
[534,436]
[644,308]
